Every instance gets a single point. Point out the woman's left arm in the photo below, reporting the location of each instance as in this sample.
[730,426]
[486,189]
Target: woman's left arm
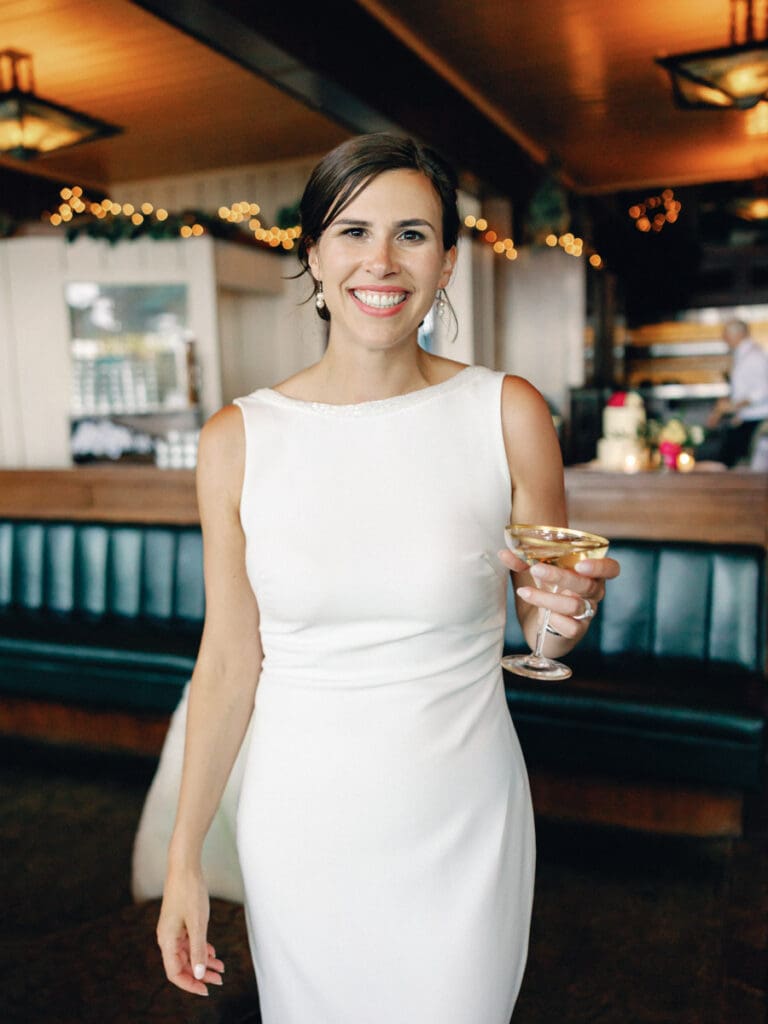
[538,496]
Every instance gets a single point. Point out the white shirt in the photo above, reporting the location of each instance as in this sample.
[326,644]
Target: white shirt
[749,380]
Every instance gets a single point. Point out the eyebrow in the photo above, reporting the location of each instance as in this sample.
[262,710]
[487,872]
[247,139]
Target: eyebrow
[413,223]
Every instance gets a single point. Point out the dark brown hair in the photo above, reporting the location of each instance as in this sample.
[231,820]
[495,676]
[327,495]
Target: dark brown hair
[344,172]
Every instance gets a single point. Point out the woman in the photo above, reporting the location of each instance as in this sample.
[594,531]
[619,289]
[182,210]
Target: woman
[351,519]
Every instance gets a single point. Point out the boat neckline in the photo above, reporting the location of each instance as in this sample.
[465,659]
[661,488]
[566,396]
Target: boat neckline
[374,405]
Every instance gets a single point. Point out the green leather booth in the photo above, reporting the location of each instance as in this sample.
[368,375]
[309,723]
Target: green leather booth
[668,684]
[99,614]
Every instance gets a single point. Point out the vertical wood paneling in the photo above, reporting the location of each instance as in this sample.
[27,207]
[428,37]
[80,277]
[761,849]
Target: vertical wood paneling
[38,335]
[543,318]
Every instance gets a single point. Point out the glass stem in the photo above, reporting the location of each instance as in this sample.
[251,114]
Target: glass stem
[544,618]
[543,623]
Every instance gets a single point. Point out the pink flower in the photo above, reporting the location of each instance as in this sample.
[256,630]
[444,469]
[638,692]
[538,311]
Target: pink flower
[618,398]
[669,450]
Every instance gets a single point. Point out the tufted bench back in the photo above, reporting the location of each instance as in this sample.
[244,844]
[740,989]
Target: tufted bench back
[102,570]
[688,601]
[99,614]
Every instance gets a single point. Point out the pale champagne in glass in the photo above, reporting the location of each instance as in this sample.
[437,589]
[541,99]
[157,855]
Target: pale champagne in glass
[552,545]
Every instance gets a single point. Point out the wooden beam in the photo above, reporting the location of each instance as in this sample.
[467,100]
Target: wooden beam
[308,55]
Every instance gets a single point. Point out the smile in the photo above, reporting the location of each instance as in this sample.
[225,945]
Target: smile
[379,300]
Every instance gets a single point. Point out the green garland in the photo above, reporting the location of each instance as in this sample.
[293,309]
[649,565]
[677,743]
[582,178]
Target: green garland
[119,227]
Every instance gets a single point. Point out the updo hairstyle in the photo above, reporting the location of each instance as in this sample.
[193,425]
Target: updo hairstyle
[344,172]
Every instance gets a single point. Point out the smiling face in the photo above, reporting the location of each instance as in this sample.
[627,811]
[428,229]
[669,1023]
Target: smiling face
[382,260]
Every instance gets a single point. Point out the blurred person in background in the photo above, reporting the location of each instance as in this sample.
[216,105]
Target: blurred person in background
[740,415]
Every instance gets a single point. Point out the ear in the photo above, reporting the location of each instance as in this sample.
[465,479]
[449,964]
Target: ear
[314,263]
[449,262]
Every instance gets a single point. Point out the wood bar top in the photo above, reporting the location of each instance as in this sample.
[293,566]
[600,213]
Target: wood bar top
[118,494]
[728,507]
[718,508]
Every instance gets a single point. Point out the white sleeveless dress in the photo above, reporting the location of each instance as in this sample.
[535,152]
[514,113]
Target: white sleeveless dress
[385,830]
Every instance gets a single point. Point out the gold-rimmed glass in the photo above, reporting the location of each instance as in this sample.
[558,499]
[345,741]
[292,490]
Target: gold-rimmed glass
[551,545]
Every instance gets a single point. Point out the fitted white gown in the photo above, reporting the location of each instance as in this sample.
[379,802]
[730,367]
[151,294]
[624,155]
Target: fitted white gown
[385,830]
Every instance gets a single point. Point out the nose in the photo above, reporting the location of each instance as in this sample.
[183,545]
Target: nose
[382,259]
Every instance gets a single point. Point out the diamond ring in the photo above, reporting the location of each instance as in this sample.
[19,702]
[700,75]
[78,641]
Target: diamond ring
[588,613]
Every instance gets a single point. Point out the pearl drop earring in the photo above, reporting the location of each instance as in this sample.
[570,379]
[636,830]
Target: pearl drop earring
[319,297]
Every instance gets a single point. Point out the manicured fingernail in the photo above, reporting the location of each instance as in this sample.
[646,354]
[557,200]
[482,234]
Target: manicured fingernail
[524,592]
[585,568]
[199,971]
[540,571]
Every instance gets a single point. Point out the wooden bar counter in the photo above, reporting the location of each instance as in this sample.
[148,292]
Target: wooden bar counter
[729,507]
[111,494]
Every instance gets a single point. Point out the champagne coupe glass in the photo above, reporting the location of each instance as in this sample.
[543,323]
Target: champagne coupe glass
[553,545]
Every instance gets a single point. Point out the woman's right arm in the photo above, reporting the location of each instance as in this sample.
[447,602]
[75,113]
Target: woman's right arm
[220,701]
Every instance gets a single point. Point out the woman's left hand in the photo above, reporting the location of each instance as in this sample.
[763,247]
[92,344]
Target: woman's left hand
[572,595]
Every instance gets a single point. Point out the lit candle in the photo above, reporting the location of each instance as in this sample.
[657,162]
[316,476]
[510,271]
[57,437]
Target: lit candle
[631,463]
[685,462]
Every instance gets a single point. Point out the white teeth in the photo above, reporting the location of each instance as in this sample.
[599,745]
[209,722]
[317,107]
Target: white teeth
[380,300]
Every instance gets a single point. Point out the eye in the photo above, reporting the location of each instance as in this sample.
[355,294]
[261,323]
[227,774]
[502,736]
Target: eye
[353,232]
[412,235]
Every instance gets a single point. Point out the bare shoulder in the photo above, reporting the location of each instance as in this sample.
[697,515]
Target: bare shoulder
[522,404]
[221,458]
[533,453]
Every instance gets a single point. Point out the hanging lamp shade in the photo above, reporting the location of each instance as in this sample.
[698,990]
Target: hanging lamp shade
[30,125]
[733,76]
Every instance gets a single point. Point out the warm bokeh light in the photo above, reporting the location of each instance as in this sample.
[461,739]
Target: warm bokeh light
[551,240]
[481,224]
[469,221]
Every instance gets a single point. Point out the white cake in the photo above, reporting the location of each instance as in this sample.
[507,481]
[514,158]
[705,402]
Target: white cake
[622,446]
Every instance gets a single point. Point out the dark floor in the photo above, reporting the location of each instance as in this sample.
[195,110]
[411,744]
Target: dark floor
[628,929]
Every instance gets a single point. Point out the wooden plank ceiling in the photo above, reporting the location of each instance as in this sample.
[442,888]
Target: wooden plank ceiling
[573,79]
[183,107]
[577,78]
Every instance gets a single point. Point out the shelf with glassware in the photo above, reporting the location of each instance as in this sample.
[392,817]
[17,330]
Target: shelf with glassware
[135,392]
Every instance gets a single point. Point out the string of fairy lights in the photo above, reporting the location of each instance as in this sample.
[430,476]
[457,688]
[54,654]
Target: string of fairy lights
[568,242]
[137,218]
[75,204]
[655,212]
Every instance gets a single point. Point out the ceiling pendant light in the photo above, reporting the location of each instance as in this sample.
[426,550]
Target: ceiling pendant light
[734,76]
[31,126]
